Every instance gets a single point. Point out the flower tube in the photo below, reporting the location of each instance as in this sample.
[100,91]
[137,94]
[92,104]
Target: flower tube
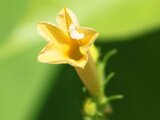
[69,43]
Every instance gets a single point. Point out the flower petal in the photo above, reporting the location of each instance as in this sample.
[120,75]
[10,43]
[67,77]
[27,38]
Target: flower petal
[80,63]
[52,33]
[90,36]
[53,53]
[58,54]
[65,18]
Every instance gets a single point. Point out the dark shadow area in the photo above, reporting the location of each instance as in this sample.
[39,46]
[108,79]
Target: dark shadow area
[64,102]
[137,68]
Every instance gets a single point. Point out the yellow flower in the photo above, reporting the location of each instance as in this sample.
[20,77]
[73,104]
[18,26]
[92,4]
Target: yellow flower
[68,42]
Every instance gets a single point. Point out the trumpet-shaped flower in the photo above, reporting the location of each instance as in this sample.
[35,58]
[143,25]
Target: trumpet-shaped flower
[70,43]
[67,42]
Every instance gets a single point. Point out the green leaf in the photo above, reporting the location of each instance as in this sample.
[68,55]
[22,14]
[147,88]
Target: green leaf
[107,56]
[108,78]
[24,83]
[114,97]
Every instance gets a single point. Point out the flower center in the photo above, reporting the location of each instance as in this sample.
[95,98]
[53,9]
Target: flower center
[74,34]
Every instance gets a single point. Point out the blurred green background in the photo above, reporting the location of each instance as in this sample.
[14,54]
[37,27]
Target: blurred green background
[30,90]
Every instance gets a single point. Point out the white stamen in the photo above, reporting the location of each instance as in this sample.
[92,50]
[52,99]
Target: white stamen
[74,33]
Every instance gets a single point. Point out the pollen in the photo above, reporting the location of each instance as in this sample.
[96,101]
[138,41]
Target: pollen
[74,34]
